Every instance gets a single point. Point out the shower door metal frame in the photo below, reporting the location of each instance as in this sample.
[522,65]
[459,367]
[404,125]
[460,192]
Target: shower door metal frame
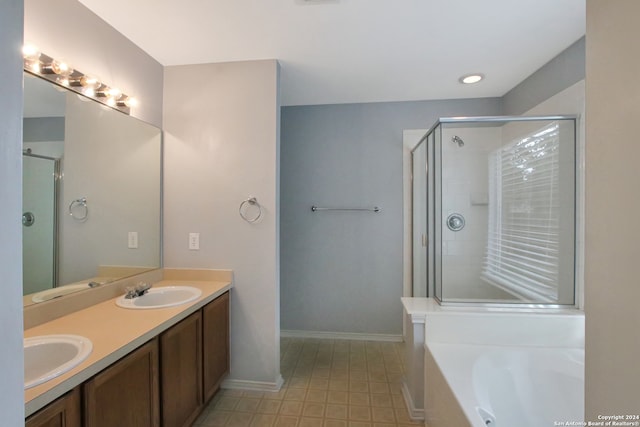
[428,240]
[431,284]
[57,176]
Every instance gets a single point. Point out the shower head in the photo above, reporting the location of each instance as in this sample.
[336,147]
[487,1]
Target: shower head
[456,139]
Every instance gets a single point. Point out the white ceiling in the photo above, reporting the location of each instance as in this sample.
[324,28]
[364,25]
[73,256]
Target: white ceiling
[344,51]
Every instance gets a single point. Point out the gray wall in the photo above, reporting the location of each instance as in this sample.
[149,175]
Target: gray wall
[567,68]
[612,348]
[11,371]
[342,272]
[42,129]
[67,30]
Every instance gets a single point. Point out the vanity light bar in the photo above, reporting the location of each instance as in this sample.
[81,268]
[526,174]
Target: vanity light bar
[60,73]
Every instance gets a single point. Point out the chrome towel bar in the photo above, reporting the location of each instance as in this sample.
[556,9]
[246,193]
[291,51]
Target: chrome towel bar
[373,209]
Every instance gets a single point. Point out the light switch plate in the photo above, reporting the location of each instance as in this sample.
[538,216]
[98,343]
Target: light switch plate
[194,241]
[133,240]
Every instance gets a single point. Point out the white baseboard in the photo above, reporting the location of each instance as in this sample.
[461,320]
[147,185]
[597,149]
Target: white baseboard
[340,336]
[414,413]
[253,385]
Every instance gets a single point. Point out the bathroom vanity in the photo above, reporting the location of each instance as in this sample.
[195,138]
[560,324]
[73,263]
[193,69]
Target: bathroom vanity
[147,368]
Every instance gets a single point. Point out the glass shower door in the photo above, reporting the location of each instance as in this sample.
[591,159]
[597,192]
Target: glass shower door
[422,172]
[39,203]
[505,209]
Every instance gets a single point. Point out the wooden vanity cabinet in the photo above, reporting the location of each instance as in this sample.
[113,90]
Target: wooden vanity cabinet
[215,318]
[165,382]
[194,358]
[126,393]
[181,372]
[63,412]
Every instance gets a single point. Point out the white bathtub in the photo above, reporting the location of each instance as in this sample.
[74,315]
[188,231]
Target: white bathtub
[503,369]
[513,386]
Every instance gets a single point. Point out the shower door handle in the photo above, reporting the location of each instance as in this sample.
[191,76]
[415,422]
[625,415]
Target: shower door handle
[425,240]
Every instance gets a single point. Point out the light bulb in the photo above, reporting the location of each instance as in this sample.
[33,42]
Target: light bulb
[57,67]
[127,101]
[114,92]
[131,102]
[34,66]
[31,55]
[89,91]
[61,68]
[30,51]
[89,82]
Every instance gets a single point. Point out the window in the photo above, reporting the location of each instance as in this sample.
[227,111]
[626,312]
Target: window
[525,235]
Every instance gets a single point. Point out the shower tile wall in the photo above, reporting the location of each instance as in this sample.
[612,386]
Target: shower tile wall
[465,191]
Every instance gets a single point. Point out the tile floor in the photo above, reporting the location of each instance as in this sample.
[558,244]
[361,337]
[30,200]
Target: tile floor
[328,383]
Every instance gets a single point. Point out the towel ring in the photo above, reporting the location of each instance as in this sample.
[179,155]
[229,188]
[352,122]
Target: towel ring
[79,203]
[245,205]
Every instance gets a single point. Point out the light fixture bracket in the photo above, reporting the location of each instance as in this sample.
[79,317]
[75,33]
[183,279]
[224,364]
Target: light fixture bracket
[42,66]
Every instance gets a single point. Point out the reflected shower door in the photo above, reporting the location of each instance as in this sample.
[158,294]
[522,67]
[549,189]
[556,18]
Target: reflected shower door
[39,206]
[419,219]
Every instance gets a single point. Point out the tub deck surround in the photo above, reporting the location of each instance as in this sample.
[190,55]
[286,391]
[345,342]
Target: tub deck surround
[413,381]
[543,347]
[116,331]
[506,385]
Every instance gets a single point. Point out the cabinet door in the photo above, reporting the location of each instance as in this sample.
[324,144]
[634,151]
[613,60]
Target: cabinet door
[216,343]
[64,412]
[181,372]
[126,393]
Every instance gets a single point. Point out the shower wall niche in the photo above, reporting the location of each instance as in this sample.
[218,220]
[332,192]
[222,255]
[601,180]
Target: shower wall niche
[494,211]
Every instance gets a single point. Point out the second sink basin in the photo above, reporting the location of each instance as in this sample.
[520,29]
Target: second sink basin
[165,296]
[49,356]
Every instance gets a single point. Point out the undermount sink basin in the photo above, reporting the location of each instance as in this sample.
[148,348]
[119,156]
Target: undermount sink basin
[166,296]
[58,292]
[49,356]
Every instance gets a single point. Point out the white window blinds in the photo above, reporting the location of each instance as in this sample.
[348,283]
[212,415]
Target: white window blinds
[522,255]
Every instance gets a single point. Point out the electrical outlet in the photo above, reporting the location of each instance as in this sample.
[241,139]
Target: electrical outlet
[133,240]
[194,241]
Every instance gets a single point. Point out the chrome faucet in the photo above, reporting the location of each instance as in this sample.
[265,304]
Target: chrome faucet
[138,290]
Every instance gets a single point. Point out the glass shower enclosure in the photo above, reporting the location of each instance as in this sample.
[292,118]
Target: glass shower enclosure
[493,209]
[40,192]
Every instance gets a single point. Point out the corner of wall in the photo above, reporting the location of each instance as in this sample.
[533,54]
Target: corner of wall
[561,72]
[11,333]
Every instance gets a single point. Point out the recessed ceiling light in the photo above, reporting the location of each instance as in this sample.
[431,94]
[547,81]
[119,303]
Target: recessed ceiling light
[471,78]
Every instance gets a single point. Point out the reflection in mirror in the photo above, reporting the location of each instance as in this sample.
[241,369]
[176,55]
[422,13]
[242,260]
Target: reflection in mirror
[91,193]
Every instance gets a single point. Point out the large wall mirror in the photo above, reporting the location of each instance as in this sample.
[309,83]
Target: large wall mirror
[91,193]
